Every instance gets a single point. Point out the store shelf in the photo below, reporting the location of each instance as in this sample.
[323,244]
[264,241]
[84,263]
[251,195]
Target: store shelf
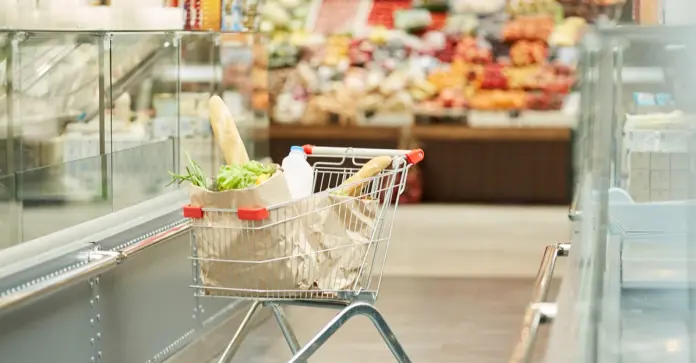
[463,164]
[438,132]
[334,132]
[456,133]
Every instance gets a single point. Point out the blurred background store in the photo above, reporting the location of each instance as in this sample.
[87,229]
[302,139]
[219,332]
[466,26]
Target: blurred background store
[101,100]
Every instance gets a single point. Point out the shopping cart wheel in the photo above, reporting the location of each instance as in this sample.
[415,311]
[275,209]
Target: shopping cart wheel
[358,308]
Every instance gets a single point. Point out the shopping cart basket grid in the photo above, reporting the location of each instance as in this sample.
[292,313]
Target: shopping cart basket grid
[320,251]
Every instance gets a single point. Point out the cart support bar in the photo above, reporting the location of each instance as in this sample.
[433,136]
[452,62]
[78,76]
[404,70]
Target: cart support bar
[539,311]
[337,322]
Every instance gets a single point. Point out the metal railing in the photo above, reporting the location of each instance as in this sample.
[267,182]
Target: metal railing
[539,310]
[99,262]
[574,212]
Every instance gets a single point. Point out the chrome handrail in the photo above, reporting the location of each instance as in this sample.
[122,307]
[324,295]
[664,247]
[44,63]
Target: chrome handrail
[539,311]
[99,262]
[574,213]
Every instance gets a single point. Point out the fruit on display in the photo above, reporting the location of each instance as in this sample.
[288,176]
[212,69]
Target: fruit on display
[534,7]
[525,53]
[521,77]
[442,79]
[284,15]
[412,19]
[461,23]
[494,63]
[498,100]
[282,54]
[336,50]
[470,51]
[543,101]
[451,98]
[528,28]
[494,78]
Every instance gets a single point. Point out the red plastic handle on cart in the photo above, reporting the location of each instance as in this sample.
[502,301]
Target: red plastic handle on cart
[415,156]
[193,212]
[252,214]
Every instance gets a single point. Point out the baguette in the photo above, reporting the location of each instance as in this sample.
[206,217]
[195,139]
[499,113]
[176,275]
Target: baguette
[372,168]
[226,133]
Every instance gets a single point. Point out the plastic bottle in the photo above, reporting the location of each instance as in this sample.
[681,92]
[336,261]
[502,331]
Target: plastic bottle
[298,173]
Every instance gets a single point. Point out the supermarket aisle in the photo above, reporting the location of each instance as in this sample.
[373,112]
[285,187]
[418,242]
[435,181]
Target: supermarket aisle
[459,279]
[474,240]
[438,320]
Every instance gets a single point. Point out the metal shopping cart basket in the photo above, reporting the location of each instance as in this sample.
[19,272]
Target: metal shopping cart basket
[327,250]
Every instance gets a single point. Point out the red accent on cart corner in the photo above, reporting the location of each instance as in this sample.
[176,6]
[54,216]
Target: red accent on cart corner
[415,156]
[257,214]
[308,149]
[193,212]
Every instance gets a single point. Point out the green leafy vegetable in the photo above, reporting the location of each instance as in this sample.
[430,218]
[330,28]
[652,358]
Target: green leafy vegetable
[242,176]
[194,175]
[229,177]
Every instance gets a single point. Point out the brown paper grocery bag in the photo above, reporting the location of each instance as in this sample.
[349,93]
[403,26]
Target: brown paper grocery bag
[340,230]
[269,258]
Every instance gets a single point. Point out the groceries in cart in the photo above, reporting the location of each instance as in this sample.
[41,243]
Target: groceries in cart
[300,231]
[299,173]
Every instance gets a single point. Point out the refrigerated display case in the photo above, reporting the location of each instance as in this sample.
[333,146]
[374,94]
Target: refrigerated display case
[627,295]
[93,246]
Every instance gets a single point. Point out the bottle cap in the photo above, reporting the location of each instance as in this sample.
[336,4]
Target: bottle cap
[297,148]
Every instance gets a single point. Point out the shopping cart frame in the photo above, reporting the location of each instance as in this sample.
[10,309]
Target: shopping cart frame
[350,303]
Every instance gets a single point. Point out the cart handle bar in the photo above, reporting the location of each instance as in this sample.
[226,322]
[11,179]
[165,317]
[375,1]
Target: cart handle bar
[412,156]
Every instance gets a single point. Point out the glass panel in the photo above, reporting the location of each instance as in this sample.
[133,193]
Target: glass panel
[143,144]
[636,249]
[75,194]
[77,127]
[245,85]
[199,76]
[56,81]
[142,172]
[8,212]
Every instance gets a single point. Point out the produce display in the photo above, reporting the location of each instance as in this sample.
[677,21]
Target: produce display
[591,10]
[486,56]
[535,28]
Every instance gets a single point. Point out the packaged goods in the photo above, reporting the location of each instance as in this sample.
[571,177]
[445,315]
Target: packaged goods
[298,173]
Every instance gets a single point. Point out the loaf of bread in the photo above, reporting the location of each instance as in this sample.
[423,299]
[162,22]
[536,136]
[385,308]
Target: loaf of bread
[226,133]
[369,170]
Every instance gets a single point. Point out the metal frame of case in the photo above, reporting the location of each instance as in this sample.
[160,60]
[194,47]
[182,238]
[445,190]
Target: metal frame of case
[604,315]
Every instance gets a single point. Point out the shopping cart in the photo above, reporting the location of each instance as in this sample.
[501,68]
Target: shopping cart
[327,250]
